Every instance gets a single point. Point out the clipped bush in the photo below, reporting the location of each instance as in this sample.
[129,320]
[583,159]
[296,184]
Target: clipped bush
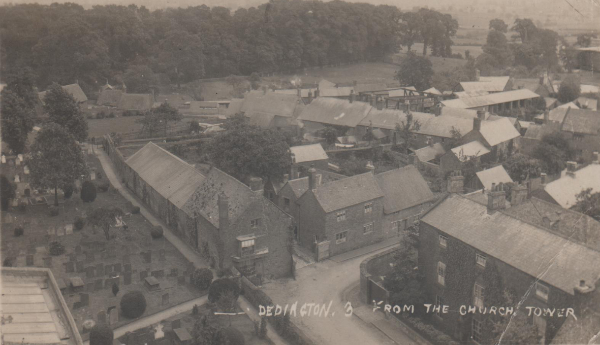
[55,248]
[19,231]
[79,223]
[135,210]
[103,186]
[230,336]
[201,278]
[133,304]
[88,191]
[221,286]
[101,334]
[53,211]
[156,232]
[69,191]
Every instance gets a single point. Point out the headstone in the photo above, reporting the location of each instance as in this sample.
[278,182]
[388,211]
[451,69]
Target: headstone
[3,159]
[143,275]
[62,286]
[29,260]
[26,170]
[68,229]
[92,175]
[17,162]
[108,269]
[102,317]
[48,262]
[99,269]
[79,266]
[127,267]
[89,271]
[127,278]
[176,324]
[77,249]
[20,157]
[27,190]
[113,317]
[162,255]
[174,272]
[117,267]
[60,231]
[51,231]
[17,179]
[158,273]
[181,280]
[84,299]
[70,267]
[98,284]
[165,299]
[77,284]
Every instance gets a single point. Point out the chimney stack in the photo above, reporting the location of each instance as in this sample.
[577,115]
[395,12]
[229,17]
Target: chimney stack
[571,168]
[496,198]
[312,178]
[546,116]
[256,185]
[543,178]
[583,297]
[518,194]
[317,92]
[476,124]
[596,158]
[477,74]
[430,141]
[370,167]
[352,96]
[223,203]
[379,103]
[310,96]
[437,111]
[456,182]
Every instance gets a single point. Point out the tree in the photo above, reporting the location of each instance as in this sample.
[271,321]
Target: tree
[201,278]
[589,203]
[498,25]
[585,40]
[22,83]
[133,304]
[236,83]
[553,159]
[245,151]
[230,336]
[105,218]
[525,28]
[330,134]
[101,334]
[181,56]
[415,71]
[520,167]
[17,121]
[140,79]
[254,80]
[7,192]
[497,47]
[410,29]
[88,191]
[222,286]
[63,110]
[158,119]
[406,128]
[569,89]
[56,159]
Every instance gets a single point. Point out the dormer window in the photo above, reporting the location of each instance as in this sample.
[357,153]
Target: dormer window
[480,260]
[340,216]
[369,207]
[542,291]
[255,223]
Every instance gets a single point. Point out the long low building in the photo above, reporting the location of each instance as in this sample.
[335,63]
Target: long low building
[495,102]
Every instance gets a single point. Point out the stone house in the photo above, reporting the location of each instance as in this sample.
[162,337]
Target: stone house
[499,136]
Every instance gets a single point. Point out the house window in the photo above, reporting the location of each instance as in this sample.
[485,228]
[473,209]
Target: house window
[476,330]
[247,247]
[443,241]
[478,296]
[441,273]
[341,237]
[341,216]
[286,204]
[542,291]
[368,228]
[480,259]
[369,207]
[255,223]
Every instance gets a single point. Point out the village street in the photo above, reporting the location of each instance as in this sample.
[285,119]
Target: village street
[321,283]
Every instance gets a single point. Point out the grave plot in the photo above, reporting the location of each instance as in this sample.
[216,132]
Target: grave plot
[87,266]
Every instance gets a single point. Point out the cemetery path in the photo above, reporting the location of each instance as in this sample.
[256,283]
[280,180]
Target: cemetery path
[183,248]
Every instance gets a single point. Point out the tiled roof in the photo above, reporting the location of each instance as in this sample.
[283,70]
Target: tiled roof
[441,126]
[494,98]
[270,103]
[493,175]
[333,111]
[535,251]
[347,192]
[571,105]
[299,186]
[490,84]
[403,188]
[170,176]
[73,89]
[582,121]
[474,148]
[498,131]
[564,190]
[308,153]
[109,97]
[513,120]
[132,101]
[428,153]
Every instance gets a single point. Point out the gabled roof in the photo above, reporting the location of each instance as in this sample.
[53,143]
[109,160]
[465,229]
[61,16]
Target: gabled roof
[199,107]
[403,188]
[468,150]
[170,176]
[347,192]
[498,131]
[389,118]
[134,101]
[582,121]
[234,107]
[428,153]
[490,84]
[344,91]
[465,94]
[299,186]
[537,132]
[459,112]
[334,111]
[308,153]
[323,84]
[529,248]
[204,199]
[565,189]
[433,91]
[491,99]
[279,104]
[441,126]
[555,115]
[109,97]
[571,105]
[73,89]
[493,175]
[550,101]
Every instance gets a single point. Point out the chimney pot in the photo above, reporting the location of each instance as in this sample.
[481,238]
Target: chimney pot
[312,177]
[370,167]
[582,283]
[476,124]
[496,198]
[256,184]
[543,178]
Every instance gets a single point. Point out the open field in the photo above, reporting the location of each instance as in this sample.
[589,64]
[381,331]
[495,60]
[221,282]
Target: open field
[122,125]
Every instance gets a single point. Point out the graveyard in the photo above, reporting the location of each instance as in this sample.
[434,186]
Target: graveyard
[85,264]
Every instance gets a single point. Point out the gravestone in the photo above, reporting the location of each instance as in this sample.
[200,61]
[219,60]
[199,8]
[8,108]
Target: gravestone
[102,317]
[48,262]
[79,266]
[143,275]
[117,267]
[51,231]
[158,273]
[77,249]
[68,229]
[162,256]
[98,284]
[89,271]
[70,267]
[60,231]
[84,299]
[127,278]
[181,280]
[62,286]
[99,269]
[147,256]
[165,299]
[108,269]
[29,260]
[174,272]
[127,267]
[113,317]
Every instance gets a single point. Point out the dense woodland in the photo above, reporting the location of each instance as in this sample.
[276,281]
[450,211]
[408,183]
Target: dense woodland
[66,43]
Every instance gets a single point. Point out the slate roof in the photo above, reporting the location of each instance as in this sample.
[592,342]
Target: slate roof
[134,101]
[258,103]
[490,84]
[564,189]
[73,89]
[493,175]
[308,153]
[582,121]
[388,118]
[529,248]
[428,153]
[498,131]
[474,148]
[299,186]
[403,188]
[334,111]
[494,98]
[347,192]
[441,126]
[537,132]
[109,97]
[555,115]
[170,176]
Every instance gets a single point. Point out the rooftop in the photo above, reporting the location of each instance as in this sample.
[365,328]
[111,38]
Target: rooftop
[133,101]
[335,112]
[429,153]
[491,99]
[582,121]
[471,149]
[555,115]
[308,153]
[489,84]
[498,131]
[565,189]
[347,192]
[403,188]
[389,118]
[493,175]
[109,97]
[73,89]
[279,104]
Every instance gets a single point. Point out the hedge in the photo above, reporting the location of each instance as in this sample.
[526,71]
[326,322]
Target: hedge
[133,304]
[101,334]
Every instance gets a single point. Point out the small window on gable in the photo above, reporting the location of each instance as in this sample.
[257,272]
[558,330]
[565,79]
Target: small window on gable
[480,259]
[542,291]
[369,207]
[247,247]
[255,223]
[443,241]
[341,216]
